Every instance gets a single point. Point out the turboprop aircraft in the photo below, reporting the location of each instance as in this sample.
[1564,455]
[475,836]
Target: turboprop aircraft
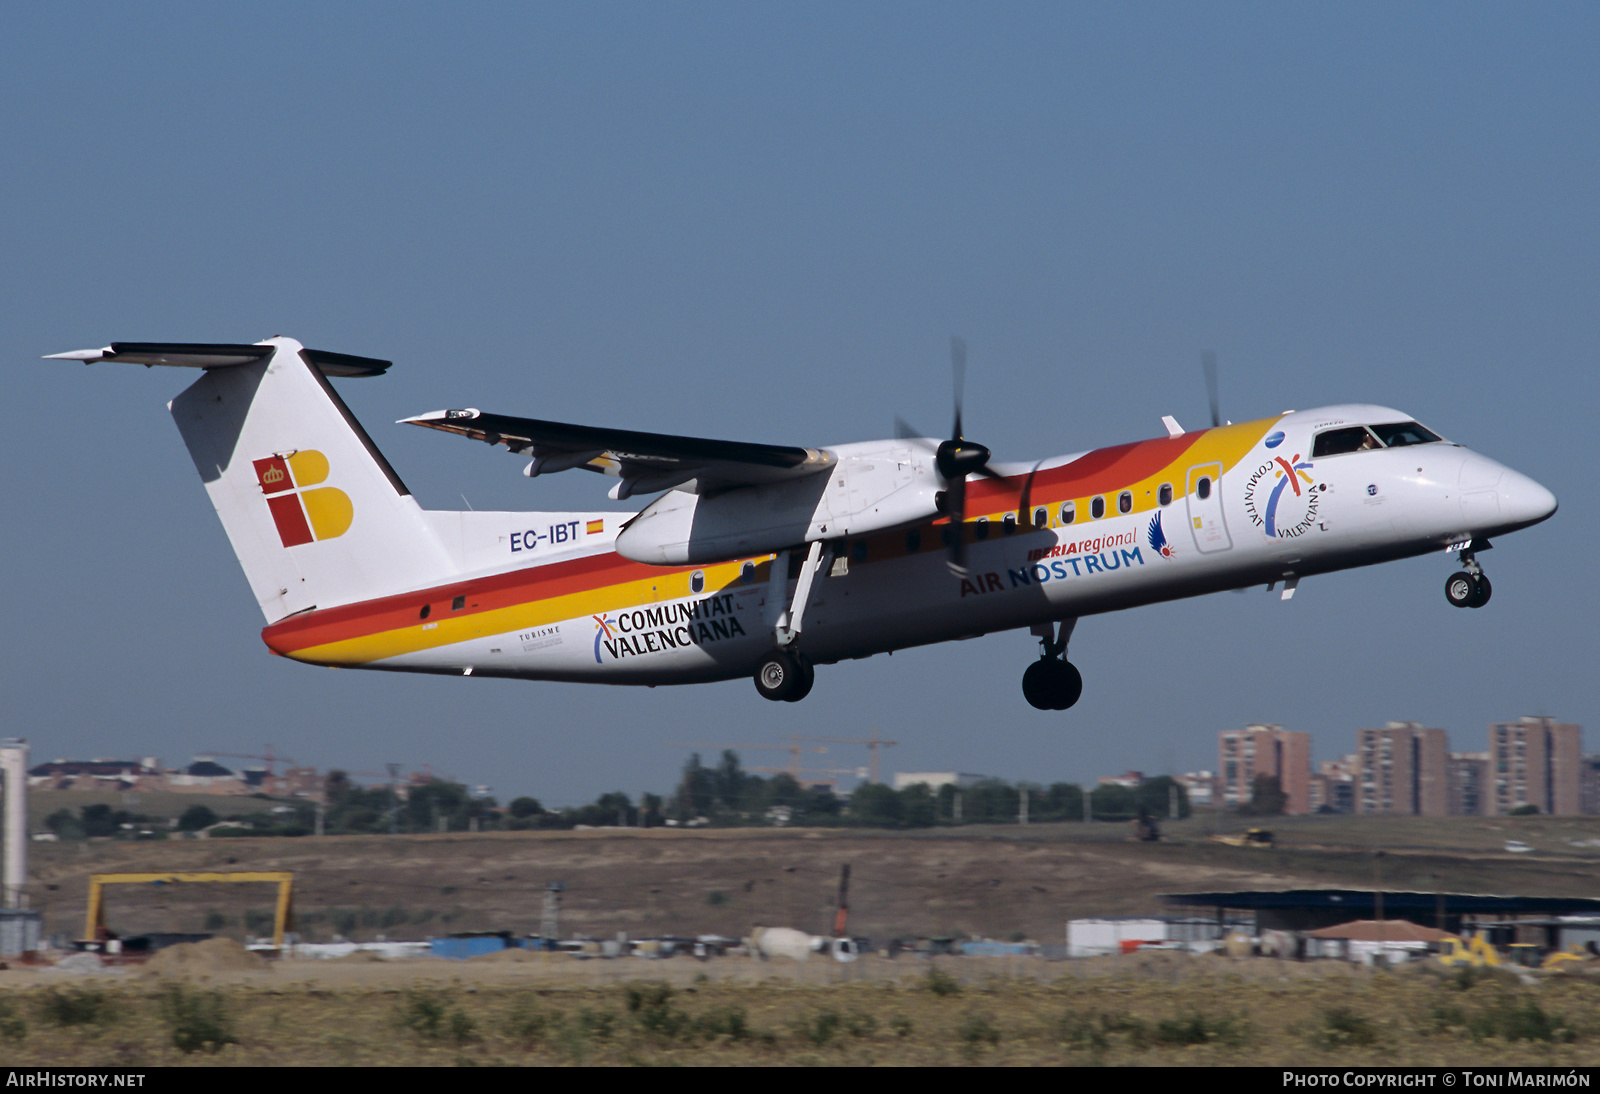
[763,560]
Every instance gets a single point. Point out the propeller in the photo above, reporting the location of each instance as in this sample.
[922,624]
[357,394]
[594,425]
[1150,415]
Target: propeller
[1208,362]
[955,459]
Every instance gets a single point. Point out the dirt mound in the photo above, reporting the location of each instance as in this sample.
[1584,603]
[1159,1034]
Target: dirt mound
[200,958]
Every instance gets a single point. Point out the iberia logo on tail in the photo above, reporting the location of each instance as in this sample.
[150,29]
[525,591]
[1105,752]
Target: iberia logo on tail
[303,515]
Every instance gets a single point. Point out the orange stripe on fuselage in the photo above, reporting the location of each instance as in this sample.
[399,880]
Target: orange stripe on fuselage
[374,629]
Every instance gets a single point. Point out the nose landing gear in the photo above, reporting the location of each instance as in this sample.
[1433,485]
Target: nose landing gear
[1469,587]
[1052,682]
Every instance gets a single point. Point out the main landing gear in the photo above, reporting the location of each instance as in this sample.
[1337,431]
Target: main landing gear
[1469,587]
[1052,682]
[785,674]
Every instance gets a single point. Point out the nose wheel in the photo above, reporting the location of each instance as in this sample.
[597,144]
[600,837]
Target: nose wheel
[1468,587]
[1467,590]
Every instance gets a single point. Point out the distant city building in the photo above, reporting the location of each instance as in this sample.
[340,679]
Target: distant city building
[1201,786]
[1589,784]
[1537,762]
[935,779]
[1129,779]
[1333,786]
[1265,749]
[1470,789]
[1403,768]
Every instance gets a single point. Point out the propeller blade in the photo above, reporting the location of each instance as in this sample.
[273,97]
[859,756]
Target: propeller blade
[905,431]
[1208,362]
[958,368]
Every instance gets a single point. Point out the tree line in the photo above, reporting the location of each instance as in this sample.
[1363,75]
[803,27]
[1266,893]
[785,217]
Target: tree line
[720,795]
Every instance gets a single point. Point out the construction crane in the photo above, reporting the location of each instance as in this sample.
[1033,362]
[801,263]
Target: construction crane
[873,743]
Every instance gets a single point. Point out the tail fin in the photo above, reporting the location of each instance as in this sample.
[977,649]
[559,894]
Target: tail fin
[315,514]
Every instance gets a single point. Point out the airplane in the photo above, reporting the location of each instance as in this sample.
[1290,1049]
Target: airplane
[765,560]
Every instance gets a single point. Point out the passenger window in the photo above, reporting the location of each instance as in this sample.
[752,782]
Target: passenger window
[1069,513]
[1125,502]
[980,530]
[747,572]
[1097,507]
[1008,524]
[697,581]
[1041,517]
[458,603]
[913,542]
[1203,487]
[1164,495]
[427,610]
[1337,442]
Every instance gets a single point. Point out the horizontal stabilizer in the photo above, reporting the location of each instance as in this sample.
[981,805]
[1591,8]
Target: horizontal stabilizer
[220,355]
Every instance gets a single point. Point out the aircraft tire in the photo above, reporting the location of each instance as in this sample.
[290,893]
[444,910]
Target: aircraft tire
[1049,684]
[1461,589]
[1481,591]
[1036,686]
[806,677]
[1067,685]
[778,676]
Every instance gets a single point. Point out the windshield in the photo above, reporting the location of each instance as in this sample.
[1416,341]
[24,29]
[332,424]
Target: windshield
[1400,434]
[1361,438]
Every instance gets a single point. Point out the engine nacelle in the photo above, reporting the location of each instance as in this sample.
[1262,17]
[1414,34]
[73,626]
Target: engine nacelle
[873,487]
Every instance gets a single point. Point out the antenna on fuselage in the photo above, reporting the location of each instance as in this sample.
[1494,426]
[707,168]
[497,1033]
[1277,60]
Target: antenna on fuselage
[1208,364]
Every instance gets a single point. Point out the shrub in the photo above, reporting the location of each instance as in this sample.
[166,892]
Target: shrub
[429,1015]
[12,1027]
[1343,1028]
[977,1031]
[942,983]
[197,1020]
[75,1007]
[1197,1029]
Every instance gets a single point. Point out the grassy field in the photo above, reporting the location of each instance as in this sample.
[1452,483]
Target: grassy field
[1167,1010]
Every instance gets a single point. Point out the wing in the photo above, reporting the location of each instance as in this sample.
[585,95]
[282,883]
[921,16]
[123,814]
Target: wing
[645,462]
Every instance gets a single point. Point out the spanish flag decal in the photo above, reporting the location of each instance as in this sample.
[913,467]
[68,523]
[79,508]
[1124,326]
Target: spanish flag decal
[595,527]
[303,515]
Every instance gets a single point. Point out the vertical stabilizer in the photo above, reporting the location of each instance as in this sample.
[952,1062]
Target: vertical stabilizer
[314,512]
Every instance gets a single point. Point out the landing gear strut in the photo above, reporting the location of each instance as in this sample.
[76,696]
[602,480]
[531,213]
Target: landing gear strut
[785,674]
[1469,587]
[1052,682]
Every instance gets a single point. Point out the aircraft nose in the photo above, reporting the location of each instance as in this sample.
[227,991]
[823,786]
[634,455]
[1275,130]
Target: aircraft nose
[1524,501]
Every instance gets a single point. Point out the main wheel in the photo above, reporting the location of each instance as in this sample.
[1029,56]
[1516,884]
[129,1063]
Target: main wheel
[806,677]
[1068,685]
[1036,686]
[778,676]
[1481,592]
[1461,589]
[1049,684]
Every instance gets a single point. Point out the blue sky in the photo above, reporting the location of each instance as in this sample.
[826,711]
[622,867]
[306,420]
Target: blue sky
[764,222]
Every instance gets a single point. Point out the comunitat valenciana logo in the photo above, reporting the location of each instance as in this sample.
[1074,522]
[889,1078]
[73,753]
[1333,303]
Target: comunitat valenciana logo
[303,515]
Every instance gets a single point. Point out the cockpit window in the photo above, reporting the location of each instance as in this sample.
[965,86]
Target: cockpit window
[1400,434]
[1335,442]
